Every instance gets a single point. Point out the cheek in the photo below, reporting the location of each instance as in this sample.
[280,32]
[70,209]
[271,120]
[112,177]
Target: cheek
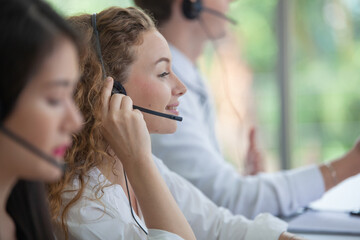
[46,132]
[215,23]
[152,94]
[39,124]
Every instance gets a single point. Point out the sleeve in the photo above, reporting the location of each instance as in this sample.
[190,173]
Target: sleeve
[191,153]
[209,221]
[89,220]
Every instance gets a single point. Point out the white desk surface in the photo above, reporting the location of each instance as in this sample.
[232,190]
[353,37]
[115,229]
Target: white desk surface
[344,197]
[328,237]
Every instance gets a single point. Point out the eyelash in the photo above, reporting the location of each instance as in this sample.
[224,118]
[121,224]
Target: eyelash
[54,102]
[164,74]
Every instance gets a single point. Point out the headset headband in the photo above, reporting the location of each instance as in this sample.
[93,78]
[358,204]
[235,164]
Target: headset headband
[97,42]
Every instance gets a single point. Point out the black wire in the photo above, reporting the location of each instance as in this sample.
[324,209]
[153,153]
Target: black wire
[222,66]
[131,209]
[219,15]
[32,148]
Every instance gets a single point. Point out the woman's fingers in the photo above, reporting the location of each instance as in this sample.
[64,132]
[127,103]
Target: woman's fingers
[120,103]
[124,128]
[126,103]
[106,94]
[115,103]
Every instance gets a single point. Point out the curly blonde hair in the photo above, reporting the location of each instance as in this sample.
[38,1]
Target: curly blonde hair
[120,30]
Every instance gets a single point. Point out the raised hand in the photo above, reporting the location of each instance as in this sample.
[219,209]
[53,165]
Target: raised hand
[124,128]
[254,161]
[290,236]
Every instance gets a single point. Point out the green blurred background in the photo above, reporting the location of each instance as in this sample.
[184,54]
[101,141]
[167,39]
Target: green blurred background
[324,70]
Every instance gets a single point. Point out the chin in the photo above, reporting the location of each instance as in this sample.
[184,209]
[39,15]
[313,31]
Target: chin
[171,131]
[54,177]
[164,129]
[219,35]
[44,172]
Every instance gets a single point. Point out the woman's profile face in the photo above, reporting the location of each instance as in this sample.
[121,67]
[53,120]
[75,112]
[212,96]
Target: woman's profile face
[45,114]
[152,84]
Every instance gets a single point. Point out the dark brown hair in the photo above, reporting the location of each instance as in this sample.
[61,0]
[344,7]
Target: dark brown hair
[30,29]
[160,10]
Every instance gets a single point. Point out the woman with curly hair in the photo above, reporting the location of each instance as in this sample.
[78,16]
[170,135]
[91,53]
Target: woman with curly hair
[114,187]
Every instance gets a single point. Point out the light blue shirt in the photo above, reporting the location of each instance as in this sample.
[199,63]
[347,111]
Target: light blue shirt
[194,153]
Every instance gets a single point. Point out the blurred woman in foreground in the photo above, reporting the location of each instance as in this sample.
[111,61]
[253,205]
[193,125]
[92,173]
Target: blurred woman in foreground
[39,70]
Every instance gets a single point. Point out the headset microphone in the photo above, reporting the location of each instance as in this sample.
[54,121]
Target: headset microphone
[118,87]
[192,9]
[31,148]
[219,14]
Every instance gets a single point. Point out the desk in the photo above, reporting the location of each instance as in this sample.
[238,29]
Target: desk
[328,237]
[344,197]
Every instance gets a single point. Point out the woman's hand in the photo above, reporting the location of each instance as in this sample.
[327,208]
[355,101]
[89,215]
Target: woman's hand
[124,128]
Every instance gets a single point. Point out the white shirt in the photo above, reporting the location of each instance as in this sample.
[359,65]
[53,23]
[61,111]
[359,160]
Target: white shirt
[194,153]
[88,219]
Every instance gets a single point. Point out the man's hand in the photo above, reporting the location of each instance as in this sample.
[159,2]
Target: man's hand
[290,236]
[254,161]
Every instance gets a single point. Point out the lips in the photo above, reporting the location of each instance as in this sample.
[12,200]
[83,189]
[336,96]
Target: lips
[173,108]
[60,151]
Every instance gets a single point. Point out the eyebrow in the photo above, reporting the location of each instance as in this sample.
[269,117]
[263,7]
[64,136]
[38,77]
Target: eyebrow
[163,59]
[59,83]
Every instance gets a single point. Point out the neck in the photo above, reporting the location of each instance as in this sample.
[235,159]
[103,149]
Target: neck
[113,172]
[8,177]
[7,182]
[186,37]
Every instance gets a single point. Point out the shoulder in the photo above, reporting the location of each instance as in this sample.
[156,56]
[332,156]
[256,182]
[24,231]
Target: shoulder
[98,198]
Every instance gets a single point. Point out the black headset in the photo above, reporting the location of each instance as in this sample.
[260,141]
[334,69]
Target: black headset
[193,8]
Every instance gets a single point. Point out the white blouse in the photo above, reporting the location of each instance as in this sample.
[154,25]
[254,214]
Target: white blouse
[110,217]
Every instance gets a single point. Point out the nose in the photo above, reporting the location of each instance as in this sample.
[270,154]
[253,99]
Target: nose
[74,119]
[179,88]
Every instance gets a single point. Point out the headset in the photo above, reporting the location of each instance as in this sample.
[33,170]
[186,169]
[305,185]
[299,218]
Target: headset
[193,8]
[118,88]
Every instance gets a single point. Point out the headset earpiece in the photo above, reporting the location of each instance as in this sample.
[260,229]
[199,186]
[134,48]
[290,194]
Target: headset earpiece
[192,8]
[118,88]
